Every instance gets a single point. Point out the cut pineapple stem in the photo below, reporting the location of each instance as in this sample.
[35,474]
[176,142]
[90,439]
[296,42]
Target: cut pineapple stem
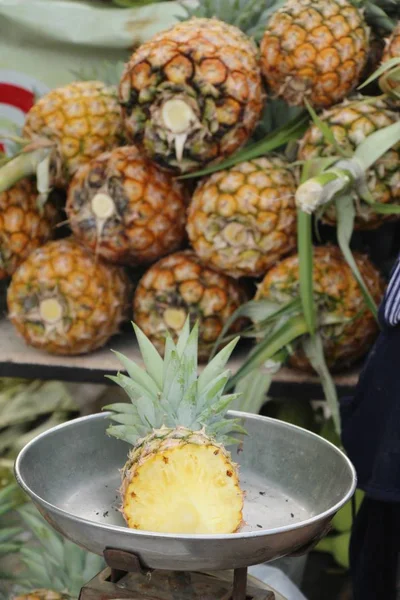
[103,206]
[178,117]
[175,318]
[323,188]
[23,165]
[51,310]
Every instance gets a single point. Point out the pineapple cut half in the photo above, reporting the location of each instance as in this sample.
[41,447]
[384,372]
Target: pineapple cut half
[179,477]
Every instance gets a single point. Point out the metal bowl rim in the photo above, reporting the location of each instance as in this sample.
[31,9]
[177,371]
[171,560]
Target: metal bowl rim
[51,508]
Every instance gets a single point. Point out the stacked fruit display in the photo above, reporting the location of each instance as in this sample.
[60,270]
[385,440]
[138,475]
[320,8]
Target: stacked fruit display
[163,176]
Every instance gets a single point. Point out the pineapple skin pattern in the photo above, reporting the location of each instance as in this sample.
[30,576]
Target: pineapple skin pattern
[242,220]
[144,216]
[211,69]
[314,51]
[82,120]
[65,301]
[180,285]
[392,50]
[338,297]
[351,122]
[23,227]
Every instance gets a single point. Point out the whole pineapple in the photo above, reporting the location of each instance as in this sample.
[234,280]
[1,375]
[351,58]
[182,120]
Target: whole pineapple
[347,326]
[179,477]
[193,94]
[23,226]
[179,286]
[351,122]
[242,220]
[67,128]
[125,209]
[392,50]
[314,50]
[65,301]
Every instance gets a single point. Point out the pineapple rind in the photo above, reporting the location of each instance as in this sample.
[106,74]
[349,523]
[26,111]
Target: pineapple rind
[314,51]
[351,122]
[23,227]
[210,66]
[148,208]
[92,298]
[242,220]
[338,297]
[82,119]
[182,281]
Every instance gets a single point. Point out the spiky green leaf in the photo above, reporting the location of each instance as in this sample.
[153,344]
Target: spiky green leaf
[253,390]
[306,275]
[345,211]
[314,350]
[377,144]
[266,349]
[138,374]
[293,130]
[151,358]
[216,365]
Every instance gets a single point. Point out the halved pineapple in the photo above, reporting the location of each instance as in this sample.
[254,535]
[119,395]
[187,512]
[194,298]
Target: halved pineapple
[179,478]
[179,481]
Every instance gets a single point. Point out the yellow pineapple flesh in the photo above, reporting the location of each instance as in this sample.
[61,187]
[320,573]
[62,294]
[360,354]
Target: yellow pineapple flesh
[153,498]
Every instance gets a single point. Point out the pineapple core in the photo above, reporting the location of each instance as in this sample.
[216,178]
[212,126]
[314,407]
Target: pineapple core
[190,489]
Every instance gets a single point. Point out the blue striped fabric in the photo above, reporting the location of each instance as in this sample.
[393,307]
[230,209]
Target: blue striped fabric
[392,298]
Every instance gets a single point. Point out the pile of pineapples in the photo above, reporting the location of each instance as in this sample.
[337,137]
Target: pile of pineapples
[173,201]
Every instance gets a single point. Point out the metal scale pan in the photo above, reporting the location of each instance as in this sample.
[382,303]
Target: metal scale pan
[294,480]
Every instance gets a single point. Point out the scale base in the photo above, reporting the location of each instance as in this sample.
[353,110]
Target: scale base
[165,585]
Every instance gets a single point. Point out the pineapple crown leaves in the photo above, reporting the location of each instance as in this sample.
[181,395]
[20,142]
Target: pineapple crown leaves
[56,564]
[169,393]
[107,72]
[251,16]
[379,14]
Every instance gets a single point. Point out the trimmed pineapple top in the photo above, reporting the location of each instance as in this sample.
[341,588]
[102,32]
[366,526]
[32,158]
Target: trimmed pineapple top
[170,393]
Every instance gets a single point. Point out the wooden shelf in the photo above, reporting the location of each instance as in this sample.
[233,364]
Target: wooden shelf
[19,360]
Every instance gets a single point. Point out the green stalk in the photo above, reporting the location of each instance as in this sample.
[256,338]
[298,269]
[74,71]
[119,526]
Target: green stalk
[314,350]
[280,137]
[323,188]
[270,346]
[23,165]
[345,211]
[306,280]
